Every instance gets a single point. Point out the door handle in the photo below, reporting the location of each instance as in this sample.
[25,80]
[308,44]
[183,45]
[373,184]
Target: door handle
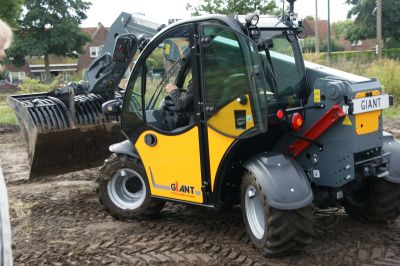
[150,140]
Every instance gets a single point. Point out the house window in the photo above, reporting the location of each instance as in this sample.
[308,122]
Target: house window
[357,43]
[16,77]
[94,51]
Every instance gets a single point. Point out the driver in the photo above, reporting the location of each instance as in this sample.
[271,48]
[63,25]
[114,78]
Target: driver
[184,101]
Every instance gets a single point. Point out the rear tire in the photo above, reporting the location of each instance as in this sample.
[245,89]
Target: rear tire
[274,232]
[124,189]
[382,204]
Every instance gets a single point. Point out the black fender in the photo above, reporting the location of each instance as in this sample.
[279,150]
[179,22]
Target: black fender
[390,144]
[284,181]
[124,147]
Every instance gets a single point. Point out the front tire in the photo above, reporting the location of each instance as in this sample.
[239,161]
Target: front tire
[274,232]
[124,190]
[381,204]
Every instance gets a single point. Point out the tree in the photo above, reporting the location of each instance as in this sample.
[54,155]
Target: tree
[10,11]
[50,27]
[341,28]
[234,7]
[365,20]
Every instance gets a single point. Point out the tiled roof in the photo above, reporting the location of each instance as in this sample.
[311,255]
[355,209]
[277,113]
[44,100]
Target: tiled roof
[90,30]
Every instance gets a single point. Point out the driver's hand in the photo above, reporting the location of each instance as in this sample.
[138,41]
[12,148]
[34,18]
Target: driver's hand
[170,87]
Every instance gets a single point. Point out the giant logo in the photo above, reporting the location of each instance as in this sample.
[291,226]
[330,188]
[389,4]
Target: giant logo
[182,188]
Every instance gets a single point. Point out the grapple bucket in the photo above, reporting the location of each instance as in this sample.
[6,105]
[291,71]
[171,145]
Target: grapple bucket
[65,129]
[64,136]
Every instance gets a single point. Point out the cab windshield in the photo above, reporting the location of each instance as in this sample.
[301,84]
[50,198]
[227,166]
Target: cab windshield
[283,59]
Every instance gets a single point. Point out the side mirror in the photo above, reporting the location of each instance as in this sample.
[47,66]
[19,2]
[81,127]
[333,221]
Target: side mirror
[171,51]
[112,107]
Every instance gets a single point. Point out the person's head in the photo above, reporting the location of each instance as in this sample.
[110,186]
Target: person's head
[5,38]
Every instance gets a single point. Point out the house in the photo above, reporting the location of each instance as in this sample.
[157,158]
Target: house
[309,26]
[361,45]
[92,49]
[65,66]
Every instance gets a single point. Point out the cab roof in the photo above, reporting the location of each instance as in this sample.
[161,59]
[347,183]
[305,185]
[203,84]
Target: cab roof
[236,22]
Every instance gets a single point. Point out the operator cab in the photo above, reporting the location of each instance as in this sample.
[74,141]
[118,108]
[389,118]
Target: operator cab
[221,65]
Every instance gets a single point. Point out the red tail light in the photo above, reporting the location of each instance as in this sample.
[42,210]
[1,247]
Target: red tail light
[280,114]
[297,121]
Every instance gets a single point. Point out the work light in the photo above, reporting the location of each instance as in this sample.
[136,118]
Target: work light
[252,19]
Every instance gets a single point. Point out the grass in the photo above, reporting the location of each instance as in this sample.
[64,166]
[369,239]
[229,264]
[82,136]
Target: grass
[392,113]
[7,116]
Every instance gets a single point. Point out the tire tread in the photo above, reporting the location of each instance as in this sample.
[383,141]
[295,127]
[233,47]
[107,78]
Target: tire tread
[382,203]
[289,230]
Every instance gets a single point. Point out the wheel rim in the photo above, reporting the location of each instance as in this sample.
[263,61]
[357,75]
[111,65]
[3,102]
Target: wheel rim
[127,189]
[254,212]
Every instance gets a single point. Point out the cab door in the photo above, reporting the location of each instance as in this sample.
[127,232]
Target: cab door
[234,87]
[166,141]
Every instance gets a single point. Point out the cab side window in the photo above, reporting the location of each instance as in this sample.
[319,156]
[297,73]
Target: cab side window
[225,75]
[233,82]
[163,66]
[149,102]
[132,115]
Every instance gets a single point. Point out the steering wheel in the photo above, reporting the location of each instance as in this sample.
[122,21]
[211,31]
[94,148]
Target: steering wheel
[168,104]
[174,118]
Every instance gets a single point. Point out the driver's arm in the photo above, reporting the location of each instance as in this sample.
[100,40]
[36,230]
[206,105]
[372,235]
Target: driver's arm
[182,100]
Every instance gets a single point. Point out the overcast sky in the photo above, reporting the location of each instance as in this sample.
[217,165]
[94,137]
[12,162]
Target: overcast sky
[161,10]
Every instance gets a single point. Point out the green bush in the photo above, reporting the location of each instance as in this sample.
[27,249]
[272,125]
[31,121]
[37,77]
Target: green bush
[336,46]
[34,85]
[156,59]
[3,75]
[392,43]
[308,45]
[76,77]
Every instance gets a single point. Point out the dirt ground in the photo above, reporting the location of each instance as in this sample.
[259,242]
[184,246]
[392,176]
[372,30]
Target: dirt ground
[59,221]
